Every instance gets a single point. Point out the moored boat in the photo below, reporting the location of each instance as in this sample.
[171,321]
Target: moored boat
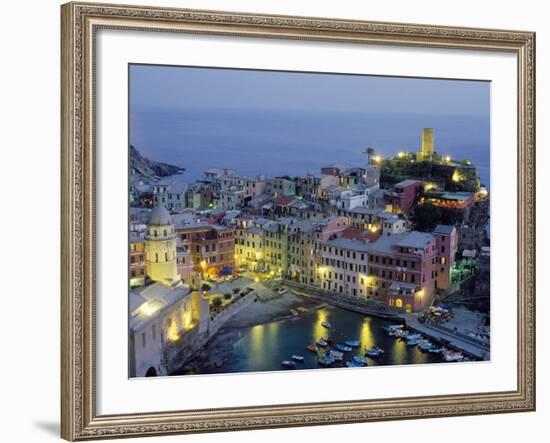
[360,360]
[326,324]
[353,343]
[453,356]
[299,358]
[374,352]
[336,355]
[325,360]
[353,364]
[294,312]
[425,345]
[312,348]
[322,343]
[288,364]
[343,348]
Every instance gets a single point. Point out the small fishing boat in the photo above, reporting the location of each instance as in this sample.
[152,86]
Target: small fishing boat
[360,360]
[322,343]
[353,364]
[336,355]
[412,336]
[374,352]
[294,312]
[326,324]
[299,358]
[343,348]
[425,345]
[325,360]
[412,342]
[288,364]
[353,343]
[328,340]
[392,328]
[453,356]
[312,348]
[302,309]
[437,350]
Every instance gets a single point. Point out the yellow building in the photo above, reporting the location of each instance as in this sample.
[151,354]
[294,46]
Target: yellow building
[160,247]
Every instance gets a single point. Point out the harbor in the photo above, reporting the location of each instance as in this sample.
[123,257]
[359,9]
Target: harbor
[306,333]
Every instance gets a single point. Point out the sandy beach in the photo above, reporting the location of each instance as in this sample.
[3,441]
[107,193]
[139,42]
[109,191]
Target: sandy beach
[264,310]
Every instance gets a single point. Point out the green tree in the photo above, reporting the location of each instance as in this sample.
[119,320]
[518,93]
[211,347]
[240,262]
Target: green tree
[426,217]
[217,301]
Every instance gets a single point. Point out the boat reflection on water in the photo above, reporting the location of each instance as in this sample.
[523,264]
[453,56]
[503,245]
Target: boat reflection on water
[263,347]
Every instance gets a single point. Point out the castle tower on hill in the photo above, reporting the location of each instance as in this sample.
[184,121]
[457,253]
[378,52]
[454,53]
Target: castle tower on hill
[160,247]
[427,143]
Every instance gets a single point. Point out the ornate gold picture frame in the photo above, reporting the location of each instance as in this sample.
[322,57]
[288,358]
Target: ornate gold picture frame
[80,22]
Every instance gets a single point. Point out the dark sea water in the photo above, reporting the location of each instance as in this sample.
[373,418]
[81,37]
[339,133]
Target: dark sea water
[263,347]
[277,142]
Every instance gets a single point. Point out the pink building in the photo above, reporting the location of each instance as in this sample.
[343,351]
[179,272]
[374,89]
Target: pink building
[330,227]
[254,186]
[402,270]
[404,195]
[447,245]
[185,264]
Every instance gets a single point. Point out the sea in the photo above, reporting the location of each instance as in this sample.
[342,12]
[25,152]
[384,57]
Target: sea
[282,142]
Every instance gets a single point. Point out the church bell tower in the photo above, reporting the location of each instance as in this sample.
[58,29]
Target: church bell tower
[160,247]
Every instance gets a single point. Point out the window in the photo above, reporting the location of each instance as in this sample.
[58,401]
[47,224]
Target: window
[398,303]
[143,340]
[154,331]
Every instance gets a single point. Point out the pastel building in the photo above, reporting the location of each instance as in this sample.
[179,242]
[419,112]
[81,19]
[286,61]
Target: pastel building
[402,270]
[280,186]
[172,195]
[403,196]
[210,248]
[447,247]
[301,252]
[343,267]
[137,259]
[249,240]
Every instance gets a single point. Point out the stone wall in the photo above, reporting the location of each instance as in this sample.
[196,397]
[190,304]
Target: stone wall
[175,354]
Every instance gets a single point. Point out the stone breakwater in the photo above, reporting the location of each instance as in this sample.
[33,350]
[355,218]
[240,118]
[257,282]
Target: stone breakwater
[177,353]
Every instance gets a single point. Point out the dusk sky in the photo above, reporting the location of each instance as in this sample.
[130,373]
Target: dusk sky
[282,123]
[168,87]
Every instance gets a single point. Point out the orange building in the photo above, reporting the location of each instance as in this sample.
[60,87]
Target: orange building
[211,248]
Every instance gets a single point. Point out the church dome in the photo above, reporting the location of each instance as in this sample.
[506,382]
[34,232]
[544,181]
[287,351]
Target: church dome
[160,216]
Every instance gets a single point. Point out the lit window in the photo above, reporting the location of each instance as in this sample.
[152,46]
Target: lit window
[399,303]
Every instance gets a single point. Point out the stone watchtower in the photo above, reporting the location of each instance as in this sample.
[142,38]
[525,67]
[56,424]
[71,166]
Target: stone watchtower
[427,143]
[160,247]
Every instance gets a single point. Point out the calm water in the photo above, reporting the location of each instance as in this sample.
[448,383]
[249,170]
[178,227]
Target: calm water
[263,347]
[294,143]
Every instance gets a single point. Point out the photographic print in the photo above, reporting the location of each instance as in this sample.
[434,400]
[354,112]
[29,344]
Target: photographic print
[282,221]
